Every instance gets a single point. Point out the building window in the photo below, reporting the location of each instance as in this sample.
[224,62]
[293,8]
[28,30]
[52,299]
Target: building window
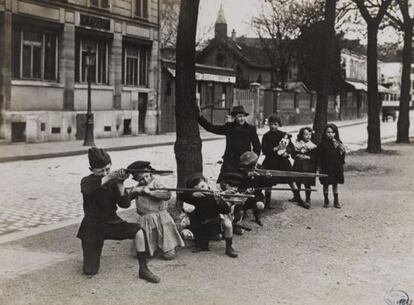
[99,72]
[35,55]
[100,3]
[223,95]
[135,66]
[141,8]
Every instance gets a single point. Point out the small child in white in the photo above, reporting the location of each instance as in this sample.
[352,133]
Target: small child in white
[158,225]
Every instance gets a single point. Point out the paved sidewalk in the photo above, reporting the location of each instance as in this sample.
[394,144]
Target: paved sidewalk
[24,151]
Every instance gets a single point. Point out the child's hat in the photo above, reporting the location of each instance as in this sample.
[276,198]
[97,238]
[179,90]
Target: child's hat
[98,158]
[193,179]
[232,178]
[274,119]
[140,165]
[248,158]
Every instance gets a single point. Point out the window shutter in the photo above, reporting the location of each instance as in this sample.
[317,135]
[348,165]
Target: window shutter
[105,3]
[145,8]
[138,8]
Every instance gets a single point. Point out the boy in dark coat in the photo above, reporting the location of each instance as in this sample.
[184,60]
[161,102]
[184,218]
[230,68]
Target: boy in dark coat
[102,191]
[276,147]
[240,137]
[205,218]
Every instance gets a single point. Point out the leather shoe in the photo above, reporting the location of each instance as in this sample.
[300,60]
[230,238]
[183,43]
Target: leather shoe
[146,274]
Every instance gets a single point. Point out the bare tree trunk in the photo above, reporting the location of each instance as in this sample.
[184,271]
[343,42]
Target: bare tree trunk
[321,111]
[187,147]
[403,125]
[374,130]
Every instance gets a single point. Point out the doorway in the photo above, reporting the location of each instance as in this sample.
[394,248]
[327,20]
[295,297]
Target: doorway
[18,132]
[142,108]
[80,126]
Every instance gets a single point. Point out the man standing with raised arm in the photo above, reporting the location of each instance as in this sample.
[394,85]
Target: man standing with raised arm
[240,137]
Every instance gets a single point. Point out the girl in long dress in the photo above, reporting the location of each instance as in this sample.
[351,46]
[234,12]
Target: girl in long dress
[159,227]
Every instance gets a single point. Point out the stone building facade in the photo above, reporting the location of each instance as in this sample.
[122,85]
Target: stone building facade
[43,74]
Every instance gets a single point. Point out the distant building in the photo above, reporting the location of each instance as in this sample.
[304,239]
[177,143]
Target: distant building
[245,55]
[43,91]
[214,93]
[353,96]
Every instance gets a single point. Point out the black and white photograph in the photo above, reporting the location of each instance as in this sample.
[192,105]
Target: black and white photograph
[209,152]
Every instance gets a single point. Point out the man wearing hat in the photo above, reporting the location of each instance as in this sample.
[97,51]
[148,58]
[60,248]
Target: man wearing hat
[102,192]
[240,137]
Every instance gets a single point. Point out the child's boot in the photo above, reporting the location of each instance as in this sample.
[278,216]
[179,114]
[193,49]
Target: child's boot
[169,255]
[237,230]
[144,272]
[204,244]
[299,200]
[336,201]
[197,247]
[257,218]
[268,195]
[308,195]
[326,202]
[229,249]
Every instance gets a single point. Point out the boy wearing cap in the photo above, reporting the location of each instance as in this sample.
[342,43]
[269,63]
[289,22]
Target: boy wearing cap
[102,191]
[276,146]
[159,227]
[230,185]
[240,137]
[250,183]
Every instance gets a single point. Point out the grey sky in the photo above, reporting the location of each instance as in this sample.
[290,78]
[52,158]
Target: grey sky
[238,14]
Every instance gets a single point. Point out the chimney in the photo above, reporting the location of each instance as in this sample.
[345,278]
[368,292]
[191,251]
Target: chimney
[233,34]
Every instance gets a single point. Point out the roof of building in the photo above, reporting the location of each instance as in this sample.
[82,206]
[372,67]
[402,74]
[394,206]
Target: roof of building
[248,50]
[393,58]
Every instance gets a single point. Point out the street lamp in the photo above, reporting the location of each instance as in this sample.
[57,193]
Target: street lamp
[90,62]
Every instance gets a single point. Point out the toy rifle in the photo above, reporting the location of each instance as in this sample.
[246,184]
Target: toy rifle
[284,189]
[191,190]
[278,173]
[152,171]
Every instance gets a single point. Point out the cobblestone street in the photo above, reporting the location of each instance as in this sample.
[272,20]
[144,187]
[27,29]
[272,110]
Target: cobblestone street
[44,192]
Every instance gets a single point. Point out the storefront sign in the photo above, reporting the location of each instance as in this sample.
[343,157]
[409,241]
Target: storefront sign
[95,22]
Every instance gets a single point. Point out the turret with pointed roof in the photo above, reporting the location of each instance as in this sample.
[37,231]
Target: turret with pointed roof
[220,29]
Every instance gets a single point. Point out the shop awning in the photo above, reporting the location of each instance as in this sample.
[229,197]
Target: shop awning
[382,89]
[357,85]
[210,77]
